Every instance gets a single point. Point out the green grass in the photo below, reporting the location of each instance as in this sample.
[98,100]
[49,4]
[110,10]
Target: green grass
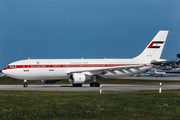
[32,105]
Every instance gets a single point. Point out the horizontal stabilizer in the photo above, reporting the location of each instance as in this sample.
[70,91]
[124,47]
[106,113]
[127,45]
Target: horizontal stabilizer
[162,62]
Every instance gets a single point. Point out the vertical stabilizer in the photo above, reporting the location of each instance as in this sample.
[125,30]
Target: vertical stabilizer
[154,49]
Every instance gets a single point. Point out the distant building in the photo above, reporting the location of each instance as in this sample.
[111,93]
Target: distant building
[178,56]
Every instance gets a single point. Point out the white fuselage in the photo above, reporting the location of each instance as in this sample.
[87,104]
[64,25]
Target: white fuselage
[80,70]
[55,69]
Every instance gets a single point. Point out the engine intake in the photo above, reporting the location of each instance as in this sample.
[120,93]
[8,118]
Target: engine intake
[77,78]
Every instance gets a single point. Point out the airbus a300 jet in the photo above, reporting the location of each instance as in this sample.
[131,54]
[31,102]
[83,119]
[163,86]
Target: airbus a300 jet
[80,70]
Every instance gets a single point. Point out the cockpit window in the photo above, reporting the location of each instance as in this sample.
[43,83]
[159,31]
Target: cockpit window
[11,66]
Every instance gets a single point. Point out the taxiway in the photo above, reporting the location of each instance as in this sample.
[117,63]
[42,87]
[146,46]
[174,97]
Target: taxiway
[86,88]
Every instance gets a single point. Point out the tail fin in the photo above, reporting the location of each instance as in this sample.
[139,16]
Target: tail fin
[154,49]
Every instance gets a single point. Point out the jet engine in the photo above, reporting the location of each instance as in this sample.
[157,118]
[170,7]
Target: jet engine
[78,78]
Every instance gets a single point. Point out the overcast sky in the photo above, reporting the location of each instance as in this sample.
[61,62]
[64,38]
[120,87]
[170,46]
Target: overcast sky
[45,29]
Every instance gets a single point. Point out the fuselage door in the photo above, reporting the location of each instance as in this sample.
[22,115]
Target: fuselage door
[51,66]
[26,67]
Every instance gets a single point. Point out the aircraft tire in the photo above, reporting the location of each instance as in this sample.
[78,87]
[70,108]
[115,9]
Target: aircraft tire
[94,84]
[25,85]
[77,85]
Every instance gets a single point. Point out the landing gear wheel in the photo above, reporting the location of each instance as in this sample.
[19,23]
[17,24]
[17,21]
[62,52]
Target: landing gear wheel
[94,84]
[25,85]
[77,85]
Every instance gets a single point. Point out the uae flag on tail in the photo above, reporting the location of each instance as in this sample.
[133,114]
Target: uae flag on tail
[155,44]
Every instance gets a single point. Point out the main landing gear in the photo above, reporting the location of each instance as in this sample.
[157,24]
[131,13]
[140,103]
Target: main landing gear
[77,85]
[25,83]
[94,83]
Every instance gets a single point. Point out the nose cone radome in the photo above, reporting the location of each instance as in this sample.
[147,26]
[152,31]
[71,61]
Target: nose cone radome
[5,71]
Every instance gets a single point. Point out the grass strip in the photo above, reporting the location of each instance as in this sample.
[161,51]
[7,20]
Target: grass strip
[89,105]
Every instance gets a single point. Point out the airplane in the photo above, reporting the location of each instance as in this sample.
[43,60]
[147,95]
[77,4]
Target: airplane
[80,70]
[157,74]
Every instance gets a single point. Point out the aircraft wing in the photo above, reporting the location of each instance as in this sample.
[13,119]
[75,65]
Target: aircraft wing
[102,71]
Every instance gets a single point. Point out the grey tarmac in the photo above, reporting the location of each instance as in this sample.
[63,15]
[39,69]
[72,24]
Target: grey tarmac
[87,88]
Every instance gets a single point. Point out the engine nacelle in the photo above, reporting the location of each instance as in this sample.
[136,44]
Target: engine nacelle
[78,78]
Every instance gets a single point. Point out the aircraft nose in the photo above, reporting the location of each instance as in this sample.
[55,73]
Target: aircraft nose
[4,71]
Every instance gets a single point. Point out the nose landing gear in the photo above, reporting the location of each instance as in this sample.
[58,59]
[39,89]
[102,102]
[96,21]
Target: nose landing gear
[25,83]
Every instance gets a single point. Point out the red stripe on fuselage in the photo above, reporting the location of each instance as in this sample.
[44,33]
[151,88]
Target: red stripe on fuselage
[67,66]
